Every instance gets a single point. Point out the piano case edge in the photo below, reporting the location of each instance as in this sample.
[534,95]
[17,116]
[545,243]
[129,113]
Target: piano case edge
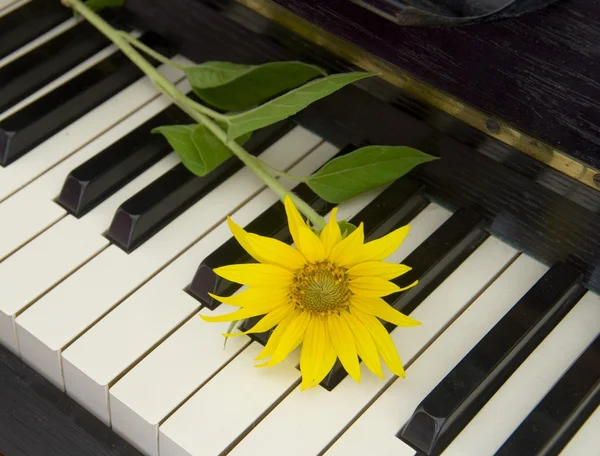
[527,203]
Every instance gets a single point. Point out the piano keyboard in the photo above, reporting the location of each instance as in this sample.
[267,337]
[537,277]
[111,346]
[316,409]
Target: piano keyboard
[106,254]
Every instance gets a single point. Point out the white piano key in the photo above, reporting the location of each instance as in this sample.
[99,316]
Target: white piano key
[125,272]
[43,254]
[6,6]
[585,438]
[337,408]
[121,337]
[208,425]
[38,196]
[81,132]
[248,411]
[374,432]
[531,381]
[167,376]
[132,415]
[67,245]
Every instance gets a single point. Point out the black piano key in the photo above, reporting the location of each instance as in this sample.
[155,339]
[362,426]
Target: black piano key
[271,223]
[393,208]
[148,211]
[38,121]
[35,69]
[431,262]
[556,419]
[453,403]
[28,22]
[436,258]
[102,175]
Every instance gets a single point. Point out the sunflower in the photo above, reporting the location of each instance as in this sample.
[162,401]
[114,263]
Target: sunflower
[325,293]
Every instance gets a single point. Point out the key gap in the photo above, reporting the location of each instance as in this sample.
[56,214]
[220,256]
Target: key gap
[262,416]
[106,130]
[168,263]
[187,318]
[389,383]
[16,249]
[214,374]
[67,275]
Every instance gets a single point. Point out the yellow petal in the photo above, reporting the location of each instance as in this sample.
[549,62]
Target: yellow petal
[344,345]
[307,242]
[313,351]
[364,343]
[331,234]
[252,296]
[381,248]
[344,253]
[328,359]
[257,275]
[386,271]
[374,287]
[246,312]
[267,250]
[379,308]
[309,245]
[383,341]
[268,321]
[291,338]
[275,337]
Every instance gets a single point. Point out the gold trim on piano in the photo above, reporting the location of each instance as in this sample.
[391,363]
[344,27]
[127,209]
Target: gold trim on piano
[542,152]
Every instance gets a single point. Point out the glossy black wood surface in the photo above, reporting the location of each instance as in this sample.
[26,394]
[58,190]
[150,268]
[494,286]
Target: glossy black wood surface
[536,209]
[36,419]
[453,403]
[538,72]
[152,208]
[271,223]
[450,12]
[33,70]
[105,173]
[28,22]
[38,121]
[560,414]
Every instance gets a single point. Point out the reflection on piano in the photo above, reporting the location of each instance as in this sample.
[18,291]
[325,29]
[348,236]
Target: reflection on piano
[107,243]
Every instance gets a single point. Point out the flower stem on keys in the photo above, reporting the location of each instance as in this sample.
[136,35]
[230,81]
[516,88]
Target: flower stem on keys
[325,292]
[198,112]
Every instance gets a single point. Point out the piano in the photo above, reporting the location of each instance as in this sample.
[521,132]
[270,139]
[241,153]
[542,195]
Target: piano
[107,242]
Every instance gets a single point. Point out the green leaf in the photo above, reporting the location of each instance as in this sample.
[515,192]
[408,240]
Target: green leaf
[234,87]
[199,149]
[289,103]
[99,5]
[364,169]
[346,228]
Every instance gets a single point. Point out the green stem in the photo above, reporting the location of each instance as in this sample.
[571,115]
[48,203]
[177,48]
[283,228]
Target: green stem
[149,51]
[157,79]
[198,112]
[279,172]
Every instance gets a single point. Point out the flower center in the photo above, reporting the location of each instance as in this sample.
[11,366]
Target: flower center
[321,288]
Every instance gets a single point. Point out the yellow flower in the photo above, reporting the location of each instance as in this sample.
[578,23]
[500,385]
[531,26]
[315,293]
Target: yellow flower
[326,294]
